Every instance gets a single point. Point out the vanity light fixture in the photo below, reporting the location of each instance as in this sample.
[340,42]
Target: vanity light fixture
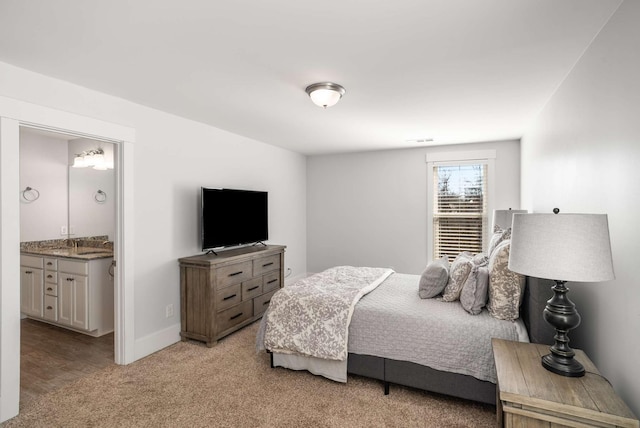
[325,94]
[94,158]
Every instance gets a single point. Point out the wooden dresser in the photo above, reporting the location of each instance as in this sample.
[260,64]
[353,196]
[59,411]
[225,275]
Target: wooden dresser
[222,293]
[531,396]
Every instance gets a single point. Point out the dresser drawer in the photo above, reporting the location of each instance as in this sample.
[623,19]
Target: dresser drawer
[228,297]
[234,315]
[50,289]
[50,308]
[51,276]
[251,288]
[233,274]
[261,303]
[266,264]
[271,281]
[50,263]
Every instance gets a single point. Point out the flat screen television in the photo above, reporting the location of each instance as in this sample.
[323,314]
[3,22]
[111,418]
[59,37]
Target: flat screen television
[233,217]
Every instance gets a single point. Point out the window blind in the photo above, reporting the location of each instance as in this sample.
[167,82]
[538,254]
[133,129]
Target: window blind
[459,209]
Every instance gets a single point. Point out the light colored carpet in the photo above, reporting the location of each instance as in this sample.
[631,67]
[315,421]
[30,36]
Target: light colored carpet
[230,385]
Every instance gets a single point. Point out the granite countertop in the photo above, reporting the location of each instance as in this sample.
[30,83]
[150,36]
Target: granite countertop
[88,248]
[82,253]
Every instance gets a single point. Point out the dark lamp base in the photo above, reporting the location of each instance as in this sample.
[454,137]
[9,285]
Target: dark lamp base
[561,314]
[569,367]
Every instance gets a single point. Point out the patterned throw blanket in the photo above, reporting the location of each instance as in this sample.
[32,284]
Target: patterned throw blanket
[312,316]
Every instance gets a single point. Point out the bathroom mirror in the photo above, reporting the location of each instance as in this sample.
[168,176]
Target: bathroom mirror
[71,202]
[91,191]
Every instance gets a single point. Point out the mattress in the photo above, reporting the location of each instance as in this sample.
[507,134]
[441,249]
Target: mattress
[393,322]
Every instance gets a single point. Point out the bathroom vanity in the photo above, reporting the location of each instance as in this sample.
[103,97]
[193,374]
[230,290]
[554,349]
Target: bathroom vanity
[69,287]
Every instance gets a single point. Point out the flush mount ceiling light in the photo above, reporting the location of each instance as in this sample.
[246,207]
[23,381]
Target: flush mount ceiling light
[325,94]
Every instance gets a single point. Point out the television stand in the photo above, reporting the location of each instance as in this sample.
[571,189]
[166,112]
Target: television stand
[221,293]
[259,243]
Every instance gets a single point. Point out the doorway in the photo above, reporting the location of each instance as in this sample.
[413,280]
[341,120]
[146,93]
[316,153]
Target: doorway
[13,115]
[67,214]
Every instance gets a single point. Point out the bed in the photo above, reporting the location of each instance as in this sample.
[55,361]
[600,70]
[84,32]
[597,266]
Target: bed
[398,338]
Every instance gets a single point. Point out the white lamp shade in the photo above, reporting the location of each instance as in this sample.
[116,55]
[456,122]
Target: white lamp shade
[504,218]
[562,247]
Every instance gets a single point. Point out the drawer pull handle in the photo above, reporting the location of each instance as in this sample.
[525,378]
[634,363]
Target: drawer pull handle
[272,281]
[267,264]
[49,276]
[28,272]
[235,316]
[229,297]
[266,303]
[253,288]
[49,289]
[70,279]
[49,308]
[49,264]
[235,273]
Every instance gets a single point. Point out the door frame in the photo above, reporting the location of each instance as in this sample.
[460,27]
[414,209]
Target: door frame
[13,115]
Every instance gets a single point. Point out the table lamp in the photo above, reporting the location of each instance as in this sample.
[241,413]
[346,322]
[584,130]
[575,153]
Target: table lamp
[561,247]
[504,218]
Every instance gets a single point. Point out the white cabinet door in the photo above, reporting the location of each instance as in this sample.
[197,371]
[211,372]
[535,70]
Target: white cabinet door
[31,291]
[80,313]
[73,300]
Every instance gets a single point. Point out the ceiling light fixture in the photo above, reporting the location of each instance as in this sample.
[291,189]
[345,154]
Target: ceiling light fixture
[325,94]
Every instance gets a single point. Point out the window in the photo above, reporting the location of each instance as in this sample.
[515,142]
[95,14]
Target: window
[459,200]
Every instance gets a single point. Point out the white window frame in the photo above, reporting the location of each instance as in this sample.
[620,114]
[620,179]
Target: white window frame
[486,157]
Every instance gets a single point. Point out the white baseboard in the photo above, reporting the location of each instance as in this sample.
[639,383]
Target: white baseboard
[156,341]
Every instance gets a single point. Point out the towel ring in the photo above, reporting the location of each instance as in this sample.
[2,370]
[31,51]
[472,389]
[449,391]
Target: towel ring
[29,194]
[100,197]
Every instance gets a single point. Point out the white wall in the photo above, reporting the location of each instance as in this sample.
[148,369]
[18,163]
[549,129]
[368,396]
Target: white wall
[43,166]
[582,155]
[370,209]
[173,158]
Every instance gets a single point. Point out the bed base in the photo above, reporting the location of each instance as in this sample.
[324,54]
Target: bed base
[421,377]
[414,375]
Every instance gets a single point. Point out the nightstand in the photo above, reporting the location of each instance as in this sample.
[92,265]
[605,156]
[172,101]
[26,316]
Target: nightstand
[528,395]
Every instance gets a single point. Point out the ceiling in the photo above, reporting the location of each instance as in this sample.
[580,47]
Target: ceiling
[454,71]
